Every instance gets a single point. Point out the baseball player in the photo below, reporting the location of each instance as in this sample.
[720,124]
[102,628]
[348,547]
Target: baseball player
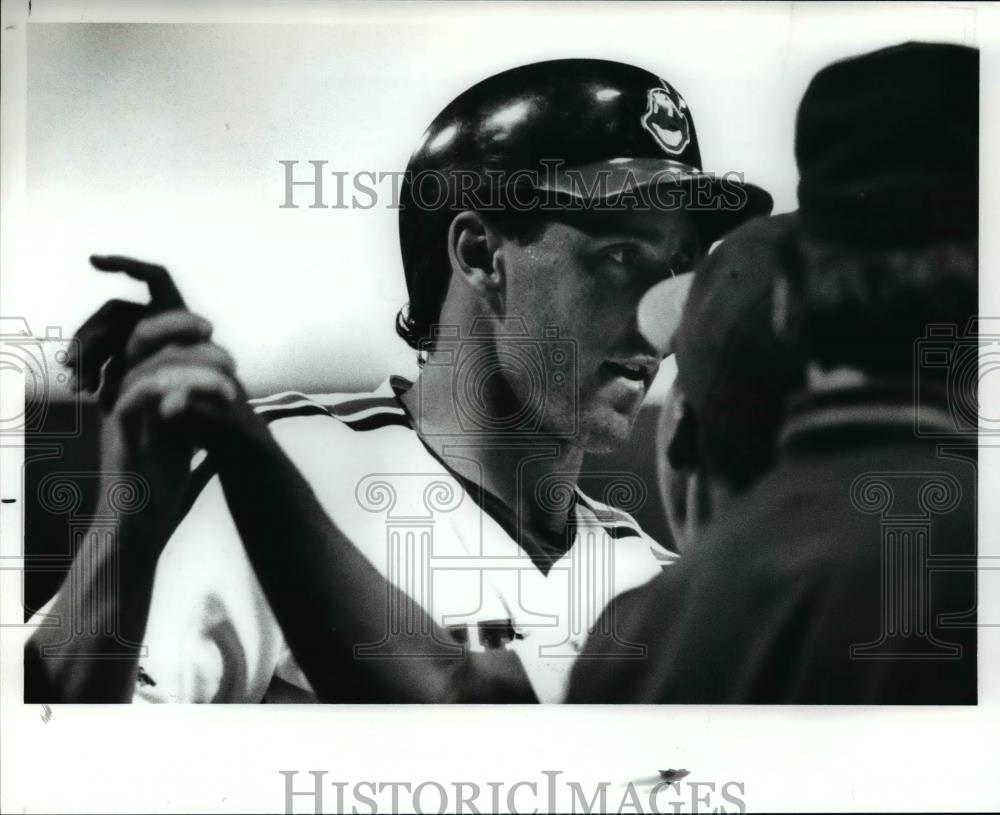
[427,541]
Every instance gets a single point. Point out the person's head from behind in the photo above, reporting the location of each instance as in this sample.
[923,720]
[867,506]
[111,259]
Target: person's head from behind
[540,206]
[884,245]
[718,428]
[887,145]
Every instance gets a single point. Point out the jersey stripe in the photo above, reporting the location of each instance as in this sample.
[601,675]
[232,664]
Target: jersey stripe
[352,411]
[284,396]
[359,413]
[373,421]
[353,407]
[304,409]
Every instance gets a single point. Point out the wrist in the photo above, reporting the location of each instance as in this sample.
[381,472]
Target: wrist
[246,431]
[140,540]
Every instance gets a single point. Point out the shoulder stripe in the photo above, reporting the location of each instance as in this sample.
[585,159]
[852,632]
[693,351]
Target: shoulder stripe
[374,421]
[365,405]
[357,411]
[304,409]
[368,412]
[365,413]
[339,403]
[274,398]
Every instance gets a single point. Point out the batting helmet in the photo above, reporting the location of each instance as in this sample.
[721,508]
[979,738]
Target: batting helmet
[583,132]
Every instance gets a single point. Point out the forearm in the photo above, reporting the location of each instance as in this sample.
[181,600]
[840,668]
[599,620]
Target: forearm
[90,651]
[329,599]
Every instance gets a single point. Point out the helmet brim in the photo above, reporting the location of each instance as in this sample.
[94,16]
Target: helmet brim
[717,203]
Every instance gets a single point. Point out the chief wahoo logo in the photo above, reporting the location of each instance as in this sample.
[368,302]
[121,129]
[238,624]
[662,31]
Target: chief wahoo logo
[666,118]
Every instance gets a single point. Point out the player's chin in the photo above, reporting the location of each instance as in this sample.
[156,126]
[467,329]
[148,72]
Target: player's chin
[607,430]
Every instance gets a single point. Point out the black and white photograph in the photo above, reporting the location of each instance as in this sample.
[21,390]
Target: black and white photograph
[583,407]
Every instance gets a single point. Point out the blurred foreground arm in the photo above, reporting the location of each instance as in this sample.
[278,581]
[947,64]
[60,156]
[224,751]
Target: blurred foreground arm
[168,391]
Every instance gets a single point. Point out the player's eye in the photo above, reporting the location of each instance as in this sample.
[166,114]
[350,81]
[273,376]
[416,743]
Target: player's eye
[623,254]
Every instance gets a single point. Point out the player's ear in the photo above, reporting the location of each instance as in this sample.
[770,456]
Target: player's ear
[472,250]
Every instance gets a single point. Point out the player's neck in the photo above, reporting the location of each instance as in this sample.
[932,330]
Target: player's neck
[529,474]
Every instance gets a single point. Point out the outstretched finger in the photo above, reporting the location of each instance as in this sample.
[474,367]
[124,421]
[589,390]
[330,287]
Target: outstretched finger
[162,289]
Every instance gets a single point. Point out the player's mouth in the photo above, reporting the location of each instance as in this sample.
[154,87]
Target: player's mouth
[638,368]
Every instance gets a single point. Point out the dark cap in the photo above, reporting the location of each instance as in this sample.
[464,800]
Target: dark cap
[586,130]
[887,145]
[731,369]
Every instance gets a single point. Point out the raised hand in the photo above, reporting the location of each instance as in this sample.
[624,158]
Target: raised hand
[164,386]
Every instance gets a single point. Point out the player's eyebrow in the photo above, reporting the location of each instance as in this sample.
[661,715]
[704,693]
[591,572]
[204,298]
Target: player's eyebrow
[645,233]
[605,226]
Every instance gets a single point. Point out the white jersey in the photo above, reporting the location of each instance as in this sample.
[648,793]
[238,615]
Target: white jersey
[212,637]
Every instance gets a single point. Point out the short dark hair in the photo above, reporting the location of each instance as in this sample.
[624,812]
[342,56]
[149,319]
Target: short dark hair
[865,307]
[428,272]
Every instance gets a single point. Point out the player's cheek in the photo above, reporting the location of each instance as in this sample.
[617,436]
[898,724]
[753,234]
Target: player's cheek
[600,319]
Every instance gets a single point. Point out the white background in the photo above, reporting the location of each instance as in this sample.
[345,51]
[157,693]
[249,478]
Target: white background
[164,143]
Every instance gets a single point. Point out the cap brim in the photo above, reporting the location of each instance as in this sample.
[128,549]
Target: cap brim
[718,204]
[661,309]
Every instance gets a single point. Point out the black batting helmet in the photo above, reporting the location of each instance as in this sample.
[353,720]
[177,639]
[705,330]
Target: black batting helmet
[577,132]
